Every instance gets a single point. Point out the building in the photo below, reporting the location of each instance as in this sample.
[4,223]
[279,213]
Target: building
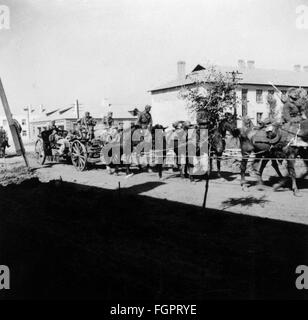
[167,105]
[66,118]
[36,119]
[23,121]
[121,114]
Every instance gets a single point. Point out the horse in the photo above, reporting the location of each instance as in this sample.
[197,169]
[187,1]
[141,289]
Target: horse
[215,141]
[274,143]
[138,142]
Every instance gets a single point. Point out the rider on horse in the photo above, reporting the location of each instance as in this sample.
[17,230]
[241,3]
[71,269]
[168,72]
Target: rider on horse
[291,112]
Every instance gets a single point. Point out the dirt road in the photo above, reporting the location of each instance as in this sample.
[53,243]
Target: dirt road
[224,193]
[81,236]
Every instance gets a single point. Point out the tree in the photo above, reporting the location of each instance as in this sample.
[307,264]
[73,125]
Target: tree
[212,92]
[272,103]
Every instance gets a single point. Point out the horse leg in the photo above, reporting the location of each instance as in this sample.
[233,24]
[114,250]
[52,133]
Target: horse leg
[190,173]
[219,164]
[261,169]
[291,170]
[116,169]
[160,170]
[292,174]
[243,171]
[211,165]
[276,167]
[182,170]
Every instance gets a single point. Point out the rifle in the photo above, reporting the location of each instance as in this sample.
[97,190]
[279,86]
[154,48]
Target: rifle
[277,90]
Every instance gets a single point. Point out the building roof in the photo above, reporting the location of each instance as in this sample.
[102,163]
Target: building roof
[119,112]
[254,76]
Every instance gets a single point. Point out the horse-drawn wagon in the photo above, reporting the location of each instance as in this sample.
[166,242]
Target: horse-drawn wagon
[81,150]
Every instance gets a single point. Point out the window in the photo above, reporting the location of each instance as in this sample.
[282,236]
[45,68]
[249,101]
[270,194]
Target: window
[24,133]
[23,122]
[271,92]
[259,97]
[284,92]
[244,102]
[259,117]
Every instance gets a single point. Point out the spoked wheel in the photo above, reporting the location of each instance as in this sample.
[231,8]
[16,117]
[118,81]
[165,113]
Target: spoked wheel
[40,154]
[79,155]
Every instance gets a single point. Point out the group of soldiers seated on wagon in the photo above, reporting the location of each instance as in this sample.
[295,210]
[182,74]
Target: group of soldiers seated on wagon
[58,137]
[62,138]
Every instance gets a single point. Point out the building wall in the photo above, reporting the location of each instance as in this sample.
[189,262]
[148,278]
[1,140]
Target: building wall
[254,107]
[168,107]
[22,119]
[37,126]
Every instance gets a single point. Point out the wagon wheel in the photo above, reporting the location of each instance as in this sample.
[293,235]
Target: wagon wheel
[79,155]
[40,153]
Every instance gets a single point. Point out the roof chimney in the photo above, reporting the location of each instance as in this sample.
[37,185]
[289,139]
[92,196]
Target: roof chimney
[251,64]
[305,68]
[241,64]
[297,67]
[181,70]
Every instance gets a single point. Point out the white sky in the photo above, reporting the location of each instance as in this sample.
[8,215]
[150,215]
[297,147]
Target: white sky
[57,51]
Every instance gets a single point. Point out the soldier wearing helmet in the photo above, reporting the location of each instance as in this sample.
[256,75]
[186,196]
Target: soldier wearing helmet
[144,120]
[291,112]
[87,123]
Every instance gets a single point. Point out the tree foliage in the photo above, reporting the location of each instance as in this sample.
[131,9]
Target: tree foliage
[212,92]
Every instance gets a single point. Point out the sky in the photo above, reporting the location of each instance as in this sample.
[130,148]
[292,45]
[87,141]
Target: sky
[59,50]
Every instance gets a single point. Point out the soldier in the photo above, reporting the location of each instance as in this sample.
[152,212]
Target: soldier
[202,118]
[108,120]
[87,123]
[4,137]
[291,112]
[56,137]
[87,120]
[145,119]
[52,126]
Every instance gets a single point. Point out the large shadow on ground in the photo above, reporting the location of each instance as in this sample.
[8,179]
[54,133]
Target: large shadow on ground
[64,240]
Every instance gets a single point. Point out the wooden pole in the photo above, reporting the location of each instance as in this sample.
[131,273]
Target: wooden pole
[77,108]
[14,130]
[207,182]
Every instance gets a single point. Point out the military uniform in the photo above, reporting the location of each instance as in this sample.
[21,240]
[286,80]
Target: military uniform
[202,118]
[4,137]
[144,120]
[290,112]
[87,123]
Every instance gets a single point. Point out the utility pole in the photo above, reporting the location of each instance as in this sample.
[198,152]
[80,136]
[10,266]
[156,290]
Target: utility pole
[20,149]
[77,108]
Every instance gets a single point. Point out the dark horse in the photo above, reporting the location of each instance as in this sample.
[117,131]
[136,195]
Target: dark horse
[277,143]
